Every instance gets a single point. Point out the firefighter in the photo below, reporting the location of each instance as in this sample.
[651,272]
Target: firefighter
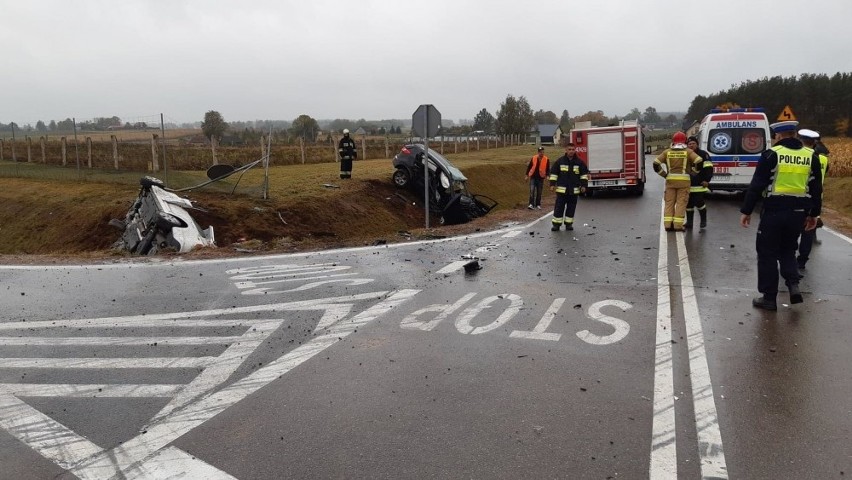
[698,186]
[681,163]
[809,139]
[537,170]
[569,177]
[348,152]
[788,176]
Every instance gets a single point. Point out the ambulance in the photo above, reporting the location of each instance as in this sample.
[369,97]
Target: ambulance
[615,156]
[734,138]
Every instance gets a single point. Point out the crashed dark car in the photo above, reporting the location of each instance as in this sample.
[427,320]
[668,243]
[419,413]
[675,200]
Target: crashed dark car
[448,194]
[158,221]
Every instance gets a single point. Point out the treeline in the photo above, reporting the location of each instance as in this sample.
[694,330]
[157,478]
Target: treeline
[819,102]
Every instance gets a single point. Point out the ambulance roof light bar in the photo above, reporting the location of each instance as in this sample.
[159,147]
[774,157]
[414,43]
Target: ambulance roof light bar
[737,110]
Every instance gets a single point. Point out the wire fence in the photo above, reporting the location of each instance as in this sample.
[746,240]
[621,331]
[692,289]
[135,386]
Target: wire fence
[182,156]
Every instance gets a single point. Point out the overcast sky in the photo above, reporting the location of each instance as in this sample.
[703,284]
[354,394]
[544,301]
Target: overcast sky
[378,59]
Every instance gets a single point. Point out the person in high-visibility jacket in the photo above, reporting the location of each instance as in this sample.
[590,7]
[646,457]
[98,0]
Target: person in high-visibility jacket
[569,177]
[806,242]
[698,186]
[348,152]
[537,171]
[789,179]
[680,164]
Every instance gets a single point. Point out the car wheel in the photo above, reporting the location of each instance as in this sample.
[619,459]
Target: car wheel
[148,182]
[401,177]
[167,221]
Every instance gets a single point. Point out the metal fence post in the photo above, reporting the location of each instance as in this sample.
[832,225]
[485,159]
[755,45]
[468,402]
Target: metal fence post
[64,151]
[114,150]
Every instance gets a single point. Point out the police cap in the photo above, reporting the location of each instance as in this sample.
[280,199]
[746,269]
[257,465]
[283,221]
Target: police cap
[787,126]
[808,133]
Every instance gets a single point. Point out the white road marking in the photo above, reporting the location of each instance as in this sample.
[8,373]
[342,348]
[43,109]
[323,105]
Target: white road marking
[621,327]
[149,263]
[706,418]
[443,311]
[457,265]
[137,450]
[107,363]
[512,234]
[89,390]
[663,440]
[107,341]
[173,463]
[465,320]
[837,234]
[539,332]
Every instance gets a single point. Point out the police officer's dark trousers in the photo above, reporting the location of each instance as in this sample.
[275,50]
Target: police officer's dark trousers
[806,243]
[564,209]
[777,239]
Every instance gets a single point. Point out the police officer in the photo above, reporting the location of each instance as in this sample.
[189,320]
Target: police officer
[569,177]
[788,176]
[698,186]
[348,152]
[806,242]
[681,163]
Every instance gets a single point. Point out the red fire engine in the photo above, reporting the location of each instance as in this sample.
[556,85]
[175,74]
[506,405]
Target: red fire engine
[615,156]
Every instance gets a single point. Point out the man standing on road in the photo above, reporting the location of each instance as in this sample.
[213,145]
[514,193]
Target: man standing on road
[788,176]
[806,242]
[348,152]
[698,186]
[681,163]
[536,173]
[569,177]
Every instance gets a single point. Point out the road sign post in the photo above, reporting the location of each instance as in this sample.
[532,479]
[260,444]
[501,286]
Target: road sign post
[425,122]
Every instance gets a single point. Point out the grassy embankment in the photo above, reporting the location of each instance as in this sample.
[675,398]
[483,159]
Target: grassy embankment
[67,217]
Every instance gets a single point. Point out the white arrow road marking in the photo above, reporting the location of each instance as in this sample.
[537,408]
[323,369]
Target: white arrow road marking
[191,405]
[179,422]
[453,267]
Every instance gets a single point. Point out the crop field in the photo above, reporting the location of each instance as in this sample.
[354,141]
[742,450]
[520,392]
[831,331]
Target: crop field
[840,164]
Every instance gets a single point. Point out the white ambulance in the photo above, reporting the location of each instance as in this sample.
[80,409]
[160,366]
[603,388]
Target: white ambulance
[734,138]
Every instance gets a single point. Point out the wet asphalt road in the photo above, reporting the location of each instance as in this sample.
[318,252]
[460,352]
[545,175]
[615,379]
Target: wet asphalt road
[609,352]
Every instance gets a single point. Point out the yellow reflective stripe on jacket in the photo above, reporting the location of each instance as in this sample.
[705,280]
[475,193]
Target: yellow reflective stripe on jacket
[707,163]
[584,177]
[792,172]
[564,168]
[553,178]
[698,189]
[677,176]
[560,189]
[823,164]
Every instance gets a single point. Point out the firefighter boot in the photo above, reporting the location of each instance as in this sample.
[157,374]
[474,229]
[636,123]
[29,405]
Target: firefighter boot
[688,224]
[703,214]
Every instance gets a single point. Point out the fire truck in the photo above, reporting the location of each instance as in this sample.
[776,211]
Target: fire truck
[615,156]
[734,138]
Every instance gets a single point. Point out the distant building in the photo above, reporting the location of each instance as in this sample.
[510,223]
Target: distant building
[549,133]
[361,131]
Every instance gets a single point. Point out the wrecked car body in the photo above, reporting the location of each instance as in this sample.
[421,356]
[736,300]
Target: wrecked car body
[158,221]
[448,194]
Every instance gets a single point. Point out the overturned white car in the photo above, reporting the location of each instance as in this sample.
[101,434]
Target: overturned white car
[158,221]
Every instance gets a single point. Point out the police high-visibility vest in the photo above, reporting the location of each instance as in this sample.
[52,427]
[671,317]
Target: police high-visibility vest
[792,172]
[823,164]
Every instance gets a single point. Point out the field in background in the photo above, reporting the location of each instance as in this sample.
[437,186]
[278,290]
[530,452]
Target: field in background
[71,217]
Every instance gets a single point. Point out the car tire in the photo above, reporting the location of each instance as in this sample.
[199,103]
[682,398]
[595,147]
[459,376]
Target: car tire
[401,177]
[167,221]
[148,182]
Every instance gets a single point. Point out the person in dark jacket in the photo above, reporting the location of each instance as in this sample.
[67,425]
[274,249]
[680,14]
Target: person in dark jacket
[569,177]
[348,153]
[789,180]
[537,170]
[698,186]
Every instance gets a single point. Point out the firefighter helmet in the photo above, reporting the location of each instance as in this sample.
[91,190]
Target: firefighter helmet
[346,131]
[679,137]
